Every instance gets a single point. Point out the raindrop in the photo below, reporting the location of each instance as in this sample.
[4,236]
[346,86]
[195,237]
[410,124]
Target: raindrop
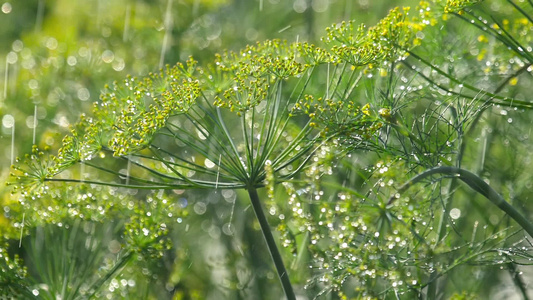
[320,5]
[201,135]
[299,6]
[146,231]
[8,121]
[72,61]
[17,46]
[84,94]
[84,51]
[114,246]
[11,57]
[118,64]
[51,43]
[251,34]
[455,213]
[208,163]
[200,208]
[229,195]
[6,8]
[33,84]
[108,56]
[228,229]
[183,202]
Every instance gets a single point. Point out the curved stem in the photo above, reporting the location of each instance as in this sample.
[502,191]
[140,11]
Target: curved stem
[479,185]
[518,280]
[123,261]
[271,243]
[156,185]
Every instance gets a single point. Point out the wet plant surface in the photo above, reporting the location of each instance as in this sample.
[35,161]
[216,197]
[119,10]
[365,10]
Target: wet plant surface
[380,161]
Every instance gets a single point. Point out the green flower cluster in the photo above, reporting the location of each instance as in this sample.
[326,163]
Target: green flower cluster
[131,115]
[147,230]
[12,274]
[459,5]
[386,41]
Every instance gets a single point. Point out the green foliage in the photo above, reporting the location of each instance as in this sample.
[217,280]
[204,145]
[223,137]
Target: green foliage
[362,142]
[12,278]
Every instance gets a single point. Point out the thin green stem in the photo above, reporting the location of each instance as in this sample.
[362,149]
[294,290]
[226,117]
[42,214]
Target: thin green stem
[519,282]
[505,38]
[492,96]
[271,244]
[239,167]
[479,185]
[156,186]
[119,265]
[522,11]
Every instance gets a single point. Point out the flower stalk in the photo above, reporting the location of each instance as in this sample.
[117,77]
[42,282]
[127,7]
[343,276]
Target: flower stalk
[271,244]
[477,184]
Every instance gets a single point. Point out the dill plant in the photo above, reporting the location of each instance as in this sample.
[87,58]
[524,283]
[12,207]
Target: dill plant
[333,129]
[398,240]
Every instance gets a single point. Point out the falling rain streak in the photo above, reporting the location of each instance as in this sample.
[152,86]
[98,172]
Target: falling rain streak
[168,32]
[128,167]
[126,23]
[327,83]
[13,143]
[21,229]
[82,172]
[34,123]
[39,17]
[6,76]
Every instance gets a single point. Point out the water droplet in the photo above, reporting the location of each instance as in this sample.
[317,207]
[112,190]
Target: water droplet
[208,163]
[108,56]
[201,135]
[72,60]
[51,43]
[11,57]
[8,121]
[455,213]
[6,8]
[84,94]
[200,208]
[228,229]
